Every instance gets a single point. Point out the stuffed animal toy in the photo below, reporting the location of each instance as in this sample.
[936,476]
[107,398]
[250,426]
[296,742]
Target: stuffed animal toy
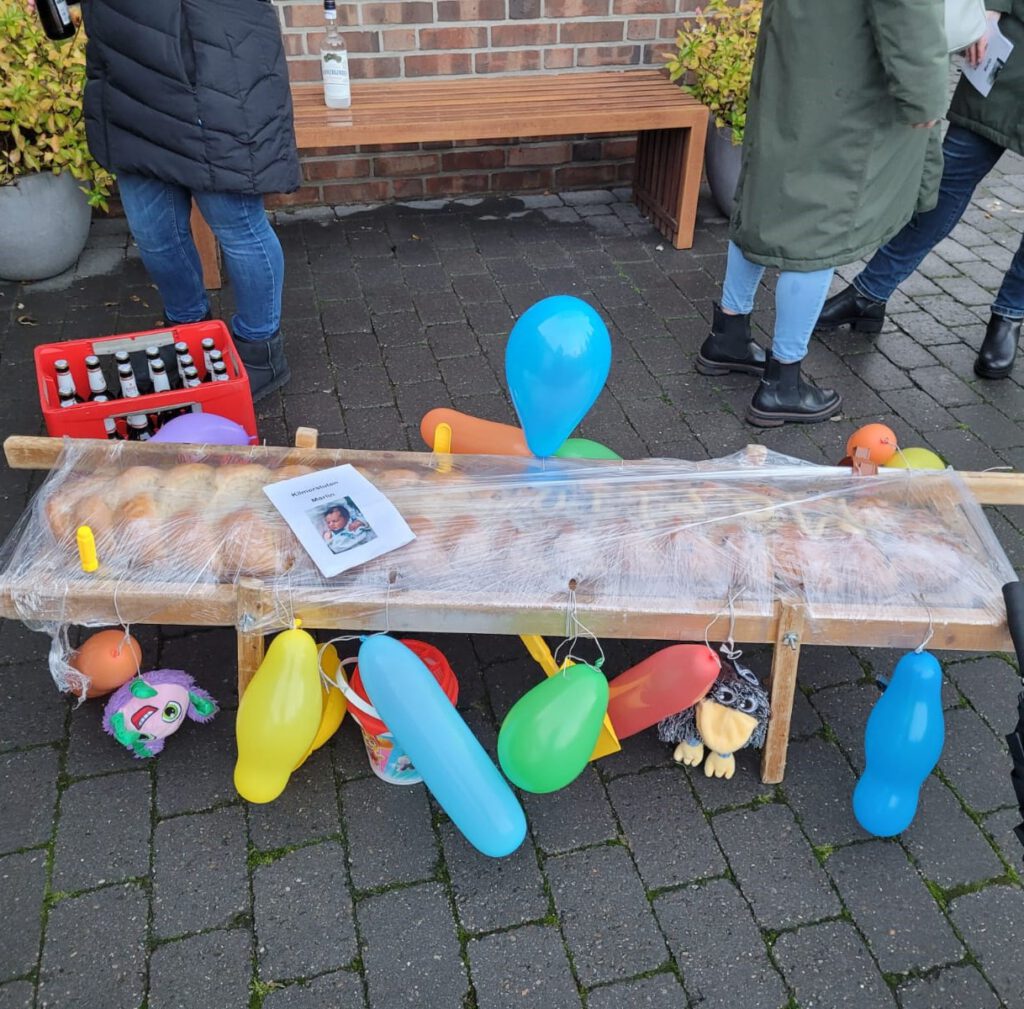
[152,706]
[733,714]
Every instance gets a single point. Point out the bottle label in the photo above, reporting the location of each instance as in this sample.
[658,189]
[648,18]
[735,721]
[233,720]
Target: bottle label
[62,10]
[335,73]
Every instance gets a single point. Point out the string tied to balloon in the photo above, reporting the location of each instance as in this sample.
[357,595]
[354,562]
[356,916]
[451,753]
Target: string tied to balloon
[574,630]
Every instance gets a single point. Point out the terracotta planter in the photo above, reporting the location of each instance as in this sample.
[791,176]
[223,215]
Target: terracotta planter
[722,163]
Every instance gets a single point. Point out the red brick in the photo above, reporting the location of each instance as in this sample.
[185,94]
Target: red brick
[576,8]
[304,70]
[574,32]
[624,173]
[453,38]
[518,9]
[398,39]
[470,10]
[559,59]
[618,148]
[357,42]
[605,56]
[387,148]
[544,154]
[668,28]
[413,13]
[375,191]
[461,161]
[407,189]
[510,181]
[655,53]
[583,176]
[385,166]
[646,28]
[307,15]
[301,197]
[507,61]
[436,64]
[336,168]
[375,68]
[437,145]
[294,43]
[524,35]
[453,185]
[643,6]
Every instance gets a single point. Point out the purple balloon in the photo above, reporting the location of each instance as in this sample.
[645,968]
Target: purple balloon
[203,429]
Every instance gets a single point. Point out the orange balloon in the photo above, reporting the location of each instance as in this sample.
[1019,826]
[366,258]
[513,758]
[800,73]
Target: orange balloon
[878,439]
[108,660]
[665,683]
[473,436]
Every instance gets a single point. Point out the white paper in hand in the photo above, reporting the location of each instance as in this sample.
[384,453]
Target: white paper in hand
[983,76]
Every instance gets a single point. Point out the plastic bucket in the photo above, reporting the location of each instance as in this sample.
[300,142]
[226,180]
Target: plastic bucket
[387,759]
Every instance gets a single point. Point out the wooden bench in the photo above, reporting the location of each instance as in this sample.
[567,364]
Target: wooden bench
[670,125]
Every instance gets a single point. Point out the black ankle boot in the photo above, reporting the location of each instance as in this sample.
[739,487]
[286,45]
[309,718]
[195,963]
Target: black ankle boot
[784,396]
[851,308]
[730,347]
[999,348]
[265,364]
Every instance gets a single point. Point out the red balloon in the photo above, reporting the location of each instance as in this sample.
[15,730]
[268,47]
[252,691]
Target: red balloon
[666,682]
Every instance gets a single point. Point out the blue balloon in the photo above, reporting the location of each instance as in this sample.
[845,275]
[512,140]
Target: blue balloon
[556,363]
[454,766]
[902,744]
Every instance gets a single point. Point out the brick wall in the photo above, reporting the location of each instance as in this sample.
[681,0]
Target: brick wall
[409,39]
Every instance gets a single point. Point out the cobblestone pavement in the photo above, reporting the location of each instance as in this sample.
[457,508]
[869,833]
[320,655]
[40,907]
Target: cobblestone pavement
[127,884]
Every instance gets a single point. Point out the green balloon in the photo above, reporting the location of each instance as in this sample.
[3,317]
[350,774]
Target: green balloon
[584,448]
[548,736]
[915,458]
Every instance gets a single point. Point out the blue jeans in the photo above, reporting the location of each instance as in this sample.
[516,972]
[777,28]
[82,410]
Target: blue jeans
[158,215]
[798,301]
[968,159]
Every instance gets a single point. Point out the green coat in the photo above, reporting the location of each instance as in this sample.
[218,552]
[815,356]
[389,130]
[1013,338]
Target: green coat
[1000,117]
[831,167]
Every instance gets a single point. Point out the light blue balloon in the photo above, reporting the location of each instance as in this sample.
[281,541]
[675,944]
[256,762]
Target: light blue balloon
[902,744]
[557,360]
[454,766]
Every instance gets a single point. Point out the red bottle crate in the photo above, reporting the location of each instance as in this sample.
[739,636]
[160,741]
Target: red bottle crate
[231,398]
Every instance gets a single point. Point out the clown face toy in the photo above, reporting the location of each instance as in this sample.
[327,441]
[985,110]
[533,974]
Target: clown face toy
[152,706]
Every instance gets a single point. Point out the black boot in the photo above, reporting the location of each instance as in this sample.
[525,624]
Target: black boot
[265,364]
[853,309]
[730,347]
[999,348]
[783,395]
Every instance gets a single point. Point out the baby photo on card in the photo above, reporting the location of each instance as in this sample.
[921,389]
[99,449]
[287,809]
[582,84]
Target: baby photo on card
[339,517]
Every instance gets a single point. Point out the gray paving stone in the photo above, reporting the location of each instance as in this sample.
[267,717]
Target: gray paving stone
[340,990]
[493,893]
[303,913]
[991,685]
[199,872]
[213,969]
[719,949]
[949,848]
[17,995]
[104,829]
[828,965]
[805,720]
[952,988]
[828,666]
[890,903]
[986,920]
[606,918]
[1000,826]
[572,816]
[389,833]
[22,886]
[782,879]
[663,991]
[665,829]
[90,749]
[743,787]
[195,770]
[80,972]
[525,968]
[819,787]
[845,711]
[28,792]
[411,950]
[31,710]
[306,809]
[210,656]
[976,762]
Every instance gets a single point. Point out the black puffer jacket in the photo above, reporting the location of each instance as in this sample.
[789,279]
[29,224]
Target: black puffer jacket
[190,91]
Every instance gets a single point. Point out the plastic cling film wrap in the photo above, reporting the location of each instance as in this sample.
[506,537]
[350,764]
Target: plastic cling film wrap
[179,529]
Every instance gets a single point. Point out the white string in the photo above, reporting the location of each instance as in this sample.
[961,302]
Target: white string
[573,626]
[728,647]
[931,627]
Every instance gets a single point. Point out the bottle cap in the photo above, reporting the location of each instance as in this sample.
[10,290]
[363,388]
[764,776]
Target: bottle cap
[121,356]
[159,366]
[152,352]
[208,343]
[181,347]
[92,361]
[61,365]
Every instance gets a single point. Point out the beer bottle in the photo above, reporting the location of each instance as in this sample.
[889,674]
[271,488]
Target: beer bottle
[208,348]
[109,424]
[55,18]
[180,351]
[158,372]
[215,357]
[65,382]
[139,427]
[126,376]
[97,380]
[152,356]
[67,399]
[192,379]
[220,372]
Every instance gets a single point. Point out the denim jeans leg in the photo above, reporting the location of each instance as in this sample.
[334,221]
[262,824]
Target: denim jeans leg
[1009,301]
[253,258]
[158,214]
[798,301]
[741,280]
[967,159]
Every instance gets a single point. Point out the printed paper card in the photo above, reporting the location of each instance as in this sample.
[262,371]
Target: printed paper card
[339,517]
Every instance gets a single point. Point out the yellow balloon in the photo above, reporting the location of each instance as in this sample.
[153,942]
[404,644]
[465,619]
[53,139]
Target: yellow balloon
[915,458]
[278,716]
[335,704]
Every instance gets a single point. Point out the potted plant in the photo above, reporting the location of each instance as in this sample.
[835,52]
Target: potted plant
[49,183]
[714,57]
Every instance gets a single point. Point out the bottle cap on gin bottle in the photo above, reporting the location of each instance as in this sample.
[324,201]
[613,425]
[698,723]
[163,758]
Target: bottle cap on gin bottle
[330,10]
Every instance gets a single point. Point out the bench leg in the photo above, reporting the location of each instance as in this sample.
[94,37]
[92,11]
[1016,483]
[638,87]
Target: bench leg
[251,648]
[209,250]
[782,687]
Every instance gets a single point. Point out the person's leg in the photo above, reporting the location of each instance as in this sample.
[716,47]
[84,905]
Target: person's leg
[158,216]
[255,266]
[967,159]
[730,346]
[783,394]
[999,348]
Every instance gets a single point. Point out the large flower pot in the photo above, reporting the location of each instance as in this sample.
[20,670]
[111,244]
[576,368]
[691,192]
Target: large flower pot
[44,225]
[722,163]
